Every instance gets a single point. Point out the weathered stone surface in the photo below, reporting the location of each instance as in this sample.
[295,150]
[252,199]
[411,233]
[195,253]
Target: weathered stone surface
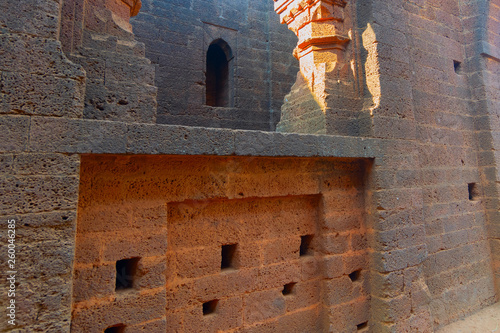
[37,79]
[119,78]
[327,87]
[120,101]
[402,206]
[14,133]
[41,95]
[90,136]
[38,18]
[69,136]
[102,315]
[25,194]
[53,164]
[232,200]
[162,139]
[177,37]
[36,55]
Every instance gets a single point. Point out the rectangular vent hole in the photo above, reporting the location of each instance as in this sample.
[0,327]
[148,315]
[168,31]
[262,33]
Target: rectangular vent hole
[305,245]
[473,191]
[228,254]
[125,273]
[119,328]
[210,307]
[354,276]
[288,288]
[363,327]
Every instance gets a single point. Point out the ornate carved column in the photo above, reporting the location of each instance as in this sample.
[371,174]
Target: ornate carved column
[327,63]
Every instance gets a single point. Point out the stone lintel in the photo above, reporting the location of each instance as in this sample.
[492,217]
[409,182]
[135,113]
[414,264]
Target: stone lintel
[82,136]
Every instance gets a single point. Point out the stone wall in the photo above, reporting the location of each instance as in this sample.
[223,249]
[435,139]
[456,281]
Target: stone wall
[177,35]
[120,80]
[484,56]
[39,189]
[458,267]
[427,223]
[221,243]
[423,215]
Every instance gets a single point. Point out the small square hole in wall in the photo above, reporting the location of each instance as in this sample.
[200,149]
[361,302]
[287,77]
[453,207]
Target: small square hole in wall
[228,256]
[363,327]
[120,328]
[473,191]
[457,65]
[125,273]
[210,307]
[305,245]
[354,276]
[288,289]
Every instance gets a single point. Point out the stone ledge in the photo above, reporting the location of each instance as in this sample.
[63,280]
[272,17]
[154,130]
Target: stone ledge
[489,50]
[62,135]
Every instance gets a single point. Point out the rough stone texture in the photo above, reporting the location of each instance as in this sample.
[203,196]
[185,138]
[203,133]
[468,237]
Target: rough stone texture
[427,222]
[177,219]
[84,136]
[486,320]
[301,112]
[327,95]
[40,193]
[482,51]
[458,265]
[36,78]
[39,190]
[177,35]
[421,104]
[120,80]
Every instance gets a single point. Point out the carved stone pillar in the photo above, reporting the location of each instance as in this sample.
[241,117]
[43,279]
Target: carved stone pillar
[327,64]
[120,80]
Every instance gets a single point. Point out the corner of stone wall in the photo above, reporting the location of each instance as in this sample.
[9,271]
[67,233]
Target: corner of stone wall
[39,189]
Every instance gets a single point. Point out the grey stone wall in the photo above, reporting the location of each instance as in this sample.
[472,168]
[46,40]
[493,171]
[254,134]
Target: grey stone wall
[39,189]
[177,35]
[483,61]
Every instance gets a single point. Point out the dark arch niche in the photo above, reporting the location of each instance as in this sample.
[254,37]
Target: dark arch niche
[219,74]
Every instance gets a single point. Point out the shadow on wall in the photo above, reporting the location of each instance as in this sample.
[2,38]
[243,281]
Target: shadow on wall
[257,48]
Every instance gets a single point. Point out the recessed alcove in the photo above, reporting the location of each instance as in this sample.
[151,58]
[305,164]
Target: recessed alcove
[210,307]
[305,245]
[125,273]
[218,239]
[227,256]
[288,289]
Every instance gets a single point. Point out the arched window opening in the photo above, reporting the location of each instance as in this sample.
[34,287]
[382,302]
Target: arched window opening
[217,74]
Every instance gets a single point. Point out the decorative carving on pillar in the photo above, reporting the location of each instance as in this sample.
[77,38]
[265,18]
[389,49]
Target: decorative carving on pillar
[135,6]
[323,35]
[325,32]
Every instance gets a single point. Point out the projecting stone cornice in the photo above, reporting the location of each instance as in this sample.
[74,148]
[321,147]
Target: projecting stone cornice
[321,40]
[317,23]
[87,136]
[298,13]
